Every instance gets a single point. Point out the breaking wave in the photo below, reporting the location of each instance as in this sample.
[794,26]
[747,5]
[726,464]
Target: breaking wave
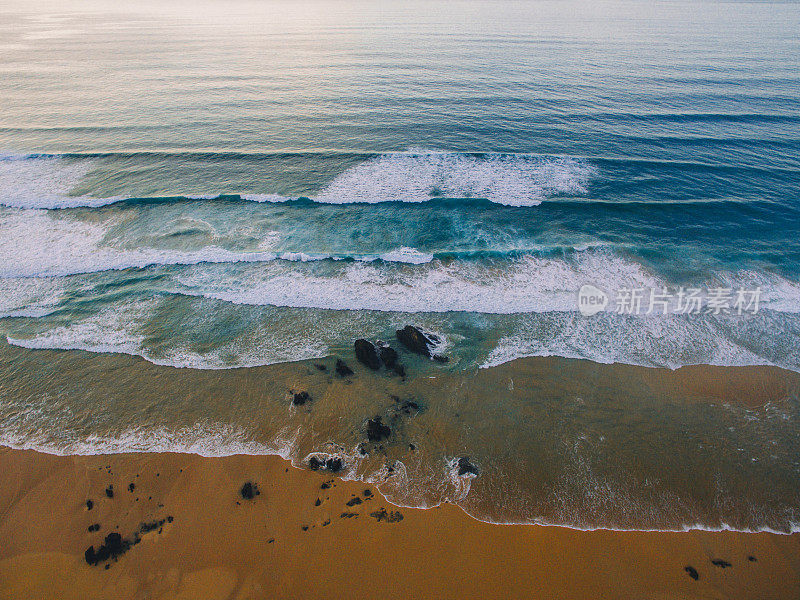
[47,181]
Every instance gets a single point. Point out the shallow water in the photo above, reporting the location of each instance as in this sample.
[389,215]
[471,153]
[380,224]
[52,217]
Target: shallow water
[245,184]
[554,440]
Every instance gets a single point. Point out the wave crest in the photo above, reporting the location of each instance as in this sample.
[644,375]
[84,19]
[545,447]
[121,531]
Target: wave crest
[40,181]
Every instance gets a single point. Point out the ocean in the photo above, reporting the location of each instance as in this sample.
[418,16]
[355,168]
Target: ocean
[202,205]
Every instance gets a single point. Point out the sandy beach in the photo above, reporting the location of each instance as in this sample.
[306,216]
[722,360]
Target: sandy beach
[303,534]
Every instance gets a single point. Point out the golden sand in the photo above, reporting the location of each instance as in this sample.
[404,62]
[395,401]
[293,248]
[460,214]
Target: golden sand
[281,545]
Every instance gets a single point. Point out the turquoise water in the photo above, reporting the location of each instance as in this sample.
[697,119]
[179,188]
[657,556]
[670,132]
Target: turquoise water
[222,185]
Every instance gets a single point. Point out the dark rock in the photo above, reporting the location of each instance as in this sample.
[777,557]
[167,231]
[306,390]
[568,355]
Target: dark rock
[249,490]
[389,517]
[353,501]
[342,370]
[376,430]
[271,540]
[388,356]
[752,559]
[112,547]
[305,528]
[320,367]
[334,465]
[325,485]
[440,358]
[362,450]
[400,370]
[412,447]
[95,527]
[131,487]
[110,491]
[367,493]
[416,341]
[151,526]
[692,572]
[89,505]
[348,515]
[465,467]
[367,355]
[170,519]
[718,562]
[326,523]
[318,502]
[301,398]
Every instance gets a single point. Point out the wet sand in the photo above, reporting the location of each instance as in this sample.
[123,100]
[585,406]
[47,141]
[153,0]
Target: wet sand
[208,541]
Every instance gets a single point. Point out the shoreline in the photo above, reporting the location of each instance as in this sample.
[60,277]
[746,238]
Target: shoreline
[276,455]
[308,533]
[557,420]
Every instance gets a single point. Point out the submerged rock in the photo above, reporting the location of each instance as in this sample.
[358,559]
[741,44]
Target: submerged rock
[723,564]
[110,491]
[89,505]
[367,355]
[408,408]
[300,398]
[692,572]
[342,370]
[376,430]
[465,467]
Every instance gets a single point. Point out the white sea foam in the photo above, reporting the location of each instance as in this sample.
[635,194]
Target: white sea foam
[670,341]
[407,255]
[204,439]
[527,284]
[29,297]
[418,176]
[37,243]
[46,182]
[265,198]
[118,329]
[28,181]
